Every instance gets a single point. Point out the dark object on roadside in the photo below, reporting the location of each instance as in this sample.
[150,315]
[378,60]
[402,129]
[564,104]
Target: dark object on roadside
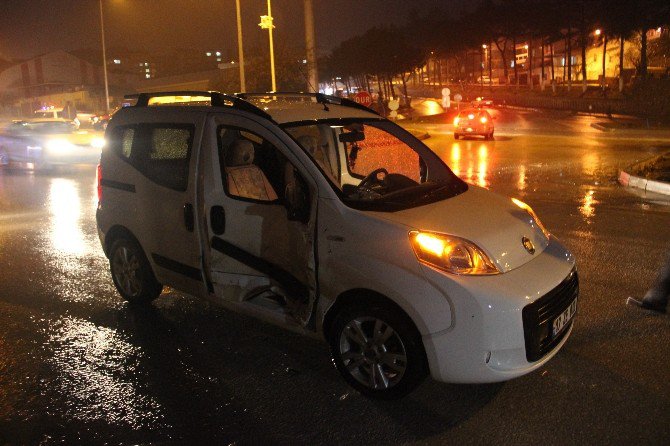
[656,299]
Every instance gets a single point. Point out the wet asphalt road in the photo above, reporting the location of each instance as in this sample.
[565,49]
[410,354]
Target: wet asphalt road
[77,365]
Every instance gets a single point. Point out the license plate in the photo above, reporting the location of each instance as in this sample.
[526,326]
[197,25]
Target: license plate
[562,320]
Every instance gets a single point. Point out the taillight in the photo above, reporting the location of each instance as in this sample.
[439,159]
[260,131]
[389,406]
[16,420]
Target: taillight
[98,176]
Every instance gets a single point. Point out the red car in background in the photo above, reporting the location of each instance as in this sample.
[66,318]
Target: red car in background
[473,122]
[100,121]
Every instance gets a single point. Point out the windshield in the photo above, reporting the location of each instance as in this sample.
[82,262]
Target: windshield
[51,127]
[375,164]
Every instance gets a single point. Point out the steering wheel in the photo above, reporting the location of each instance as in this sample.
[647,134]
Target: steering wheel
[371,178]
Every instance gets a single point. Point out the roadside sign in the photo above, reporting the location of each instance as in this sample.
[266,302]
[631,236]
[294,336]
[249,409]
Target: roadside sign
[458,98]
[446,92]
[394,104]
[363,98]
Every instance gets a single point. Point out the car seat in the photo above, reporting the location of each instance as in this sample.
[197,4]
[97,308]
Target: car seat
[244,178]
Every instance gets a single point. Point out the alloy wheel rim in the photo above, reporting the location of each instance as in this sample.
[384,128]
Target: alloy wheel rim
[373,353]
[126,271]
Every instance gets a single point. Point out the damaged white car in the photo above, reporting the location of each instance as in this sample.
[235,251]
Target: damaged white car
[316,214]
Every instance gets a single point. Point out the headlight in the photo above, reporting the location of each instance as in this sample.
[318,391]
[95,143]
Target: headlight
[533,215]
[456,119]
[98,143]
[483,119]
[59,145]
[451,254]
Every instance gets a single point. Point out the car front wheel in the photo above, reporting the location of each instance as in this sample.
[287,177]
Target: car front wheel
[131,272]
[378,350]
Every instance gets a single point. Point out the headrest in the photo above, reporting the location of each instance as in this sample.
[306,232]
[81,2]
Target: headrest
[240,153]
[309,143]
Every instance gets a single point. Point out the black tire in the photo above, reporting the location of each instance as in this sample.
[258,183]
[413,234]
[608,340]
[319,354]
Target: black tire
[383,371]
[456,136]
[131,272]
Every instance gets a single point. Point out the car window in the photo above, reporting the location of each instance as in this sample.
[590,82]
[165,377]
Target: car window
[380,149]
[252,168]
[375,164]
[121,141]
[318,140]
[166,159]
[170,143]
[127,135]
[161,152]
[52,127]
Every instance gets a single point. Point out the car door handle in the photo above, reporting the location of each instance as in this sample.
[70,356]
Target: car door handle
[217,218]
[189,217]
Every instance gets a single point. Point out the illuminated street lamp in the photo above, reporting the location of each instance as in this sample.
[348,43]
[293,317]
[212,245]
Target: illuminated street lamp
[266,23]
[597,32]
[104,59]
[240,48]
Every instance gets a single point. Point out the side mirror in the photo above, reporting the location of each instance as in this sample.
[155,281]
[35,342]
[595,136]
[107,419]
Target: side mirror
[296,200]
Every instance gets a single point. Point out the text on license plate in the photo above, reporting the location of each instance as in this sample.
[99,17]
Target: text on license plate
[562,320]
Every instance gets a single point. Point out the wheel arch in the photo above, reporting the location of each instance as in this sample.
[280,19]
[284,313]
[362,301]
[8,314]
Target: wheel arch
[358,296]
[116,232]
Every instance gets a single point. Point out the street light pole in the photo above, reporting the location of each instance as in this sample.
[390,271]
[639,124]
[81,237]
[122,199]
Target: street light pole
[481,65]
[310,42]
[266,23]
[240,48]
[104,58]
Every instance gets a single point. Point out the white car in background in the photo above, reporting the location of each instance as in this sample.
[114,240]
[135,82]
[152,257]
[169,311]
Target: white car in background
[316,214]
[45,143]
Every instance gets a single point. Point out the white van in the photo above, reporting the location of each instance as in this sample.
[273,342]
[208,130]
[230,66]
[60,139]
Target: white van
[314,213]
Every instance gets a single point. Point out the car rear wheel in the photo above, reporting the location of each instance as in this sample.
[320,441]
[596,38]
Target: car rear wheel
[131,272]
[378,350]
[456,136]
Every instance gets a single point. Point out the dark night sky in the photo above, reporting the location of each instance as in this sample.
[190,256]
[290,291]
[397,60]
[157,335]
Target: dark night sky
[32,27]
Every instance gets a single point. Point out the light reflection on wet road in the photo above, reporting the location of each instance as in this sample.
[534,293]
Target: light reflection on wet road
[78,365]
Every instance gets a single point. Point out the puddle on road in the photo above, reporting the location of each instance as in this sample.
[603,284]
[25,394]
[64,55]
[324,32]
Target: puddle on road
[470,162]
[588,205]
[98,374]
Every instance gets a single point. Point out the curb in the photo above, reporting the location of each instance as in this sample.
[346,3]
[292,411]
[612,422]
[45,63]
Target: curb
[628,180]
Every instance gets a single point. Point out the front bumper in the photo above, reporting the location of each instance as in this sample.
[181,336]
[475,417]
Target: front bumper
[488,340]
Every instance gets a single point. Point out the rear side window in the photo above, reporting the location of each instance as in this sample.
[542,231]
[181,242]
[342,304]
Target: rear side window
[170,143]
[160,151]
[127,136]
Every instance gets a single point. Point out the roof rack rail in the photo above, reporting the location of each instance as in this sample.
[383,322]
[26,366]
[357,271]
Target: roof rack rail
[320,98]
[217,99]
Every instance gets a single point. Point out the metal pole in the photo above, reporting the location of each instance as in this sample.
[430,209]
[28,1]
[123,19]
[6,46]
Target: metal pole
[104,59]
[240,48]
[272,51]
[310,42]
